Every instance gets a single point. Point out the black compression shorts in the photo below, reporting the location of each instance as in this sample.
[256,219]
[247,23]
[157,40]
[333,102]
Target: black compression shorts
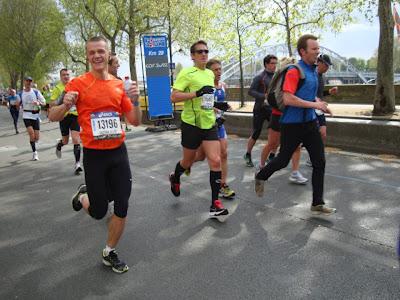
[108,178]
[274,123]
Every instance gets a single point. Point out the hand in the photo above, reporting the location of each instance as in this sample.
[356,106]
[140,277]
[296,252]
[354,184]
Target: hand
[207,89]
[70,99]
[133,92]
[317,99]
[328,111]
[321,105]
[333,91]
[224,106]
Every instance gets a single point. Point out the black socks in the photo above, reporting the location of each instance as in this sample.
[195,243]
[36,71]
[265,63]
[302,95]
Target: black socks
[215,182]
[33,146]
[77,152]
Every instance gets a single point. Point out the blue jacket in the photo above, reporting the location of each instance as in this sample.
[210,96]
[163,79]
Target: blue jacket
[308,92]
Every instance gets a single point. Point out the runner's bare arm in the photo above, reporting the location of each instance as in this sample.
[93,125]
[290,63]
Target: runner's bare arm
[178,96]
[134,116]
[56,113]
[292,100]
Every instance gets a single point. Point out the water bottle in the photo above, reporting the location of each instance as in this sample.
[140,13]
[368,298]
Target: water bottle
[127,85]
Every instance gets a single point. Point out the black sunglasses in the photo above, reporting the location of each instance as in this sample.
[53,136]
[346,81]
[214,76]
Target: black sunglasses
[205,51]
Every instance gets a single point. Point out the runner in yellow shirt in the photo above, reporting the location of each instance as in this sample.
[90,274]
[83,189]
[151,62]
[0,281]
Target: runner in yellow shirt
[69,125]
[195,87]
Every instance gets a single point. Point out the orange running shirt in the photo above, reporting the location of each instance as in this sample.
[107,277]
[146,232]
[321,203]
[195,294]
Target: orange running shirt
[96,95]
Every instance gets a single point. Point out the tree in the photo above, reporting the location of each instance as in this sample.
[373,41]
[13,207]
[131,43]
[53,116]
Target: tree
[295,17]
[384,101]
[29,29]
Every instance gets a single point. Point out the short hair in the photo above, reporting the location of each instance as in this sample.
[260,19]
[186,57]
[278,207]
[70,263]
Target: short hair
[97,38]
[200,42]
[302,41]
[268,58]
[63,69]
[113,57]
[211,62]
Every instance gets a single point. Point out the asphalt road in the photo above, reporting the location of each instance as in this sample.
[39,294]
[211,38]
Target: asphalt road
[269,248]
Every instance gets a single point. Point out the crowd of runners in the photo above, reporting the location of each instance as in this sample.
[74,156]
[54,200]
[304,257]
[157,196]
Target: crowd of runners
[90,109]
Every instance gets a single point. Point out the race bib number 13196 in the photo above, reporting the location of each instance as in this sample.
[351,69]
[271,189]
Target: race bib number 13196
[105,125]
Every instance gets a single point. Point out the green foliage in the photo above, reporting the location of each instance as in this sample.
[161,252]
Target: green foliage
[30,30]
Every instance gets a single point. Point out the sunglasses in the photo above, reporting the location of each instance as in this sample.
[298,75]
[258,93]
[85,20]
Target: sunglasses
[201,51]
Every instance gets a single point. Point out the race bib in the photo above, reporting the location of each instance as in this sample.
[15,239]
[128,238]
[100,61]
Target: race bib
[207,101]
[106,125]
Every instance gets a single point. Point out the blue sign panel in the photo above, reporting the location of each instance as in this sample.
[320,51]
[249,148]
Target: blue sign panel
[157,76]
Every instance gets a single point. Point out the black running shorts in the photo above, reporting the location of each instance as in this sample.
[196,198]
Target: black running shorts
[70,122]
[108,178]
[35,124]
[274,123]
[193,136]
[321,120]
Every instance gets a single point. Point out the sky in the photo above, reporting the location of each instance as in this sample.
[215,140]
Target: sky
[359,40]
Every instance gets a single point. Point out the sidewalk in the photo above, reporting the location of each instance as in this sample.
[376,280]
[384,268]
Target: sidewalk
[339,110]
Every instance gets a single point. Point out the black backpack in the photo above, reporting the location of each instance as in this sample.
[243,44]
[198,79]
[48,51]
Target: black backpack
[275,93]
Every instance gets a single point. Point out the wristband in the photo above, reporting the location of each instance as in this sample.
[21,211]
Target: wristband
[135,103]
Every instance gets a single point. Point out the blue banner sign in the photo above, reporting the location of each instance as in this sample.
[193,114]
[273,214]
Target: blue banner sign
[157,76]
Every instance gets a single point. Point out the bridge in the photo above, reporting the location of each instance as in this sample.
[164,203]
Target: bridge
[341,72]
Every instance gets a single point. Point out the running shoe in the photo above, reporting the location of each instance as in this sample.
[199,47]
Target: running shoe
[187,172]
[76,203]
[175,187]
[35,156]
[309,163]
[322,209]
[58,148]
[226,192]
[258,186]
[297,178]
[217,209]
[247,159]
[78,168]
[112,260]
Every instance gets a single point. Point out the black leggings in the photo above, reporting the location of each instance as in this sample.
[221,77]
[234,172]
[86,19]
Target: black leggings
[292,135]
[108,178]
[259,116]
[14,114]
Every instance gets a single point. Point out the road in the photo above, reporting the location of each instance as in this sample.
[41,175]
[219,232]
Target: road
[269,248]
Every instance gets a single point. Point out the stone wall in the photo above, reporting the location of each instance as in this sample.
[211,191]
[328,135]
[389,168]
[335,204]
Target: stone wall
[364,136]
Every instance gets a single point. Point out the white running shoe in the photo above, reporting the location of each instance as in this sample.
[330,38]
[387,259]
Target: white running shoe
[35,156]
[58,150]
[297,178]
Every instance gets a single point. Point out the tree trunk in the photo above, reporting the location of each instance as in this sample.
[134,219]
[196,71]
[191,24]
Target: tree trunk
[87,65]
[132,53]
[384,101]
[13,79]
[241,74]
